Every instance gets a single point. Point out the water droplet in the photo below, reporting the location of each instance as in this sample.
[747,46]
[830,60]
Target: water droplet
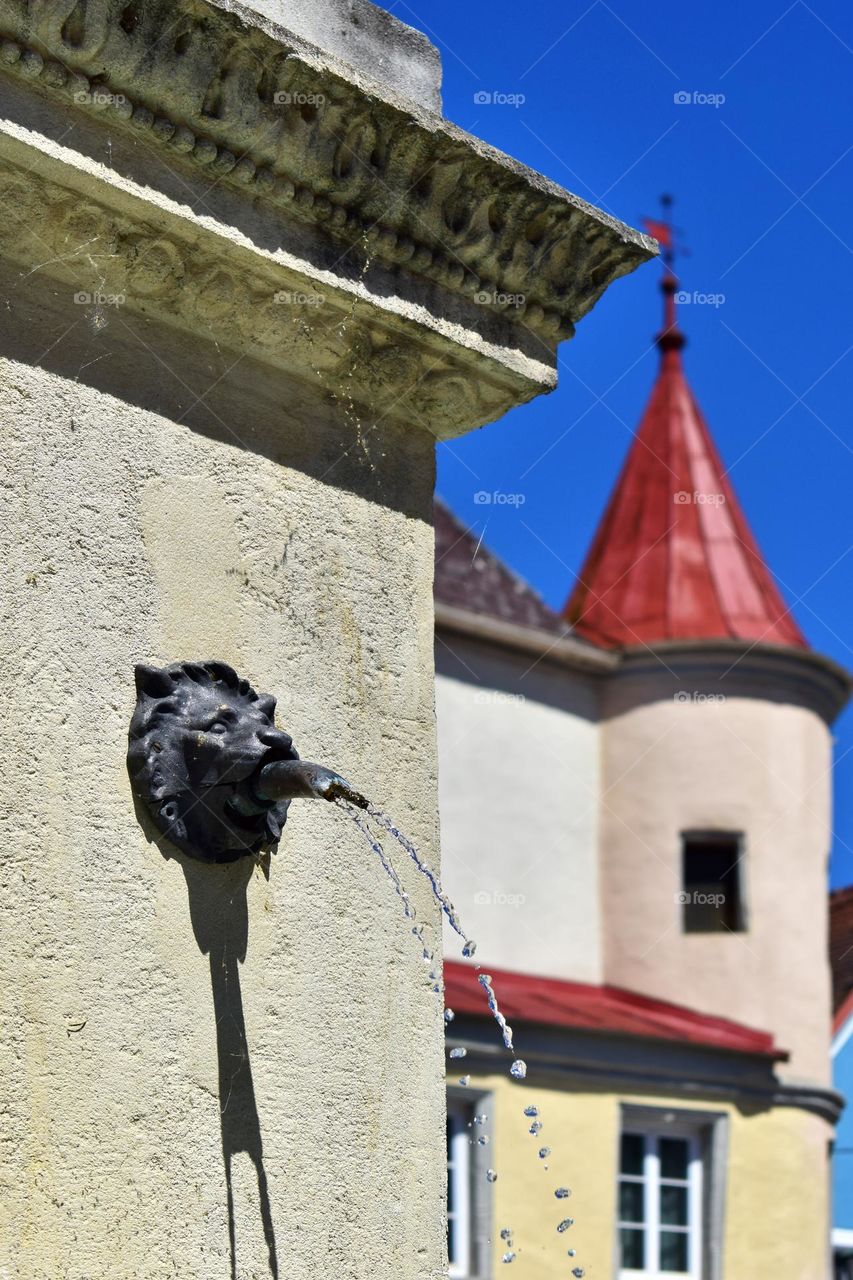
[572,1252]
[506,1233]
[469,948]
[536,1127]
[544,1153]
[577,1272]
[484,1141]
[465,1081]
[518,1069]
[531,1111]
[438,893]
[565,1224]
[491,1176]
[481,1119]
[449,1015]
[485,982]
[562,1193]
[508,1257]
[458,1053]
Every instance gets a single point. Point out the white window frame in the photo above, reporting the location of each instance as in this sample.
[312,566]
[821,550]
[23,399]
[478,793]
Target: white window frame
[652,1182]
[469,1193]
[459,1185]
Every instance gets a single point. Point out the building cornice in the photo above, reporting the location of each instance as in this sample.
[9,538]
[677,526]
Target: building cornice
[564,650]
[748,670]
[261,112]
[735,668]
[676,1069]
[116,250]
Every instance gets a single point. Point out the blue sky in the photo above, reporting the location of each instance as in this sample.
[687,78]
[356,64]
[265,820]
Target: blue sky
[763,182]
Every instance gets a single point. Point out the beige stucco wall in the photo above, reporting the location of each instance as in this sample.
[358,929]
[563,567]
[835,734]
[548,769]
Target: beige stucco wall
[140,527]
[775,1212]
[519,779]
[678,762]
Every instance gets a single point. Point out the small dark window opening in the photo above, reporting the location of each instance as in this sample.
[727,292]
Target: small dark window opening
[711,878]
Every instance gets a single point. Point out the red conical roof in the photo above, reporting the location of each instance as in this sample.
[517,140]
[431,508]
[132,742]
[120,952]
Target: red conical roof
[674,558]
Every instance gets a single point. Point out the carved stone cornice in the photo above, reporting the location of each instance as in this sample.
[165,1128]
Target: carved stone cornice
[261,112]
[112,254]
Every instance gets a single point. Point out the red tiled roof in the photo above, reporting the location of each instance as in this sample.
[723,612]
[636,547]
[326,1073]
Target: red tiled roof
[470,576]
[841,944]
[674,558]
[843,1013]
[554,1002]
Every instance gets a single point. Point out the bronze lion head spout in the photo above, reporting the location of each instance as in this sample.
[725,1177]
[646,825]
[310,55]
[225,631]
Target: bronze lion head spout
[206,759]
[198,739]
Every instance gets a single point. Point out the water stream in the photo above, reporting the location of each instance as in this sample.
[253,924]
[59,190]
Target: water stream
[518,1067]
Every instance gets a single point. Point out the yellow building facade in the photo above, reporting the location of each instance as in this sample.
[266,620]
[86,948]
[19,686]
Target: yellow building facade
[770,1220]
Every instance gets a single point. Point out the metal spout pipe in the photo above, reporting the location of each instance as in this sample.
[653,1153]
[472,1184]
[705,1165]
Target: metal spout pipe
[300,779]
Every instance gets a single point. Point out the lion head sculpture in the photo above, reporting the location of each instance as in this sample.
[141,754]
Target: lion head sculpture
[198,739]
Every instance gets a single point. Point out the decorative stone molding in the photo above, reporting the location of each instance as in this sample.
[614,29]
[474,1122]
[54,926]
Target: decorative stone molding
[371,174]
[112,258]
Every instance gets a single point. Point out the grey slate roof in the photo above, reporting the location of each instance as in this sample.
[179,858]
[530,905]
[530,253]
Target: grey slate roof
[468,577]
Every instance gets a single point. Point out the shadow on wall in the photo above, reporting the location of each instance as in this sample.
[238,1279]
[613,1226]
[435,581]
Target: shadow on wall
[219,913]
[220,921]
[193,383]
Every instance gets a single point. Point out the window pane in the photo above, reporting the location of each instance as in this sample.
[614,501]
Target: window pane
[673,1158]
[711,882]
[673,1251]
[673,1206]
[631,1249]
[631,1201]
[632,1153]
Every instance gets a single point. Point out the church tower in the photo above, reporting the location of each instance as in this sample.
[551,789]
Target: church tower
[716,747]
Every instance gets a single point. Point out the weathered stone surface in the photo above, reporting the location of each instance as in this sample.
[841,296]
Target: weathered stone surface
[147,516]
[112,249]
[368,39]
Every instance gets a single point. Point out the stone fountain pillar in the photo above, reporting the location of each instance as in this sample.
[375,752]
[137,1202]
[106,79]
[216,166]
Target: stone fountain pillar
[246,285]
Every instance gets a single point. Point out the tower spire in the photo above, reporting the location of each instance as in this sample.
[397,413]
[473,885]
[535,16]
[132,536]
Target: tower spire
[670,338]
[674,558]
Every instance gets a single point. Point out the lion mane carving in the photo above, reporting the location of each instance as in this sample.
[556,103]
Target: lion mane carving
[198,739]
